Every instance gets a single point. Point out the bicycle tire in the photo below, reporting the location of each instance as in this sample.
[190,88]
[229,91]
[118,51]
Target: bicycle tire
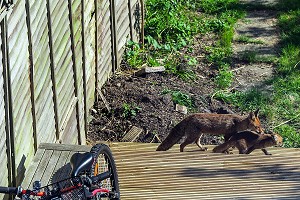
[102,152]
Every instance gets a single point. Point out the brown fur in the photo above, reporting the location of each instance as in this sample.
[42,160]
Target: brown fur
[248,141]
[197,124]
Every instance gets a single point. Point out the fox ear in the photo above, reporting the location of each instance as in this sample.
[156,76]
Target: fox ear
[275,137]
[251,116]
[256,112]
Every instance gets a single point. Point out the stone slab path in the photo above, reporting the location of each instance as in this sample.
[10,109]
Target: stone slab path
[255,46]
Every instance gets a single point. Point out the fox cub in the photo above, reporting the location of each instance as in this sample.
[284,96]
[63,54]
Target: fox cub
[195,125]
[247,141]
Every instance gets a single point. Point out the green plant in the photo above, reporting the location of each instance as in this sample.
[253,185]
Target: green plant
[249,56]
[180,98]
[129,110]
[291,137]
[134,55]
[181,66]
[224,77]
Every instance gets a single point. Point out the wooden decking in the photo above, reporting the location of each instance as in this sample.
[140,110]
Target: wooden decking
[147,174]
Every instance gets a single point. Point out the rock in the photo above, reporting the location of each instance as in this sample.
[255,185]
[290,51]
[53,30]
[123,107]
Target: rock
[180,108]
[147,70]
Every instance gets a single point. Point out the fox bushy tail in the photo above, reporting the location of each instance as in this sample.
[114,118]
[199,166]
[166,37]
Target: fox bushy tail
[175,135]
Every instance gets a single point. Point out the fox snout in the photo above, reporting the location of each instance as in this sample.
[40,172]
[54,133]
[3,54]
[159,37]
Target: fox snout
[259,130]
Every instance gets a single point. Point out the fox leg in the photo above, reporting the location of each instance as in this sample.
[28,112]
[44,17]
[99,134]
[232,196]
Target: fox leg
[249,150]
[197,141]
[188,140]
[266,152]
[242,147]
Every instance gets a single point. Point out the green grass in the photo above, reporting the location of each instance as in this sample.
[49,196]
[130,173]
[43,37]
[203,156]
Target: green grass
[280,105]
[224,78]
[254,57]
[249,40]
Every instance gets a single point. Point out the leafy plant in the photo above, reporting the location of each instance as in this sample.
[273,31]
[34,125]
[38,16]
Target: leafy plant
[134,54]
[181,66]
[129,110]
[180,98]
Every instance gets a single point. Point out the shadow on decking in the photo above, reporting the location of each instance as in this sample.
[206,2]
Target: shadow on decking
[61,174]
[272,174]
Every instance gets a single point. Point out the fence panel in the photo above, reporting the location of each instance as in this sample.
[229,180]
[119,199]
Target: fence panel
[90,43]
[20,88]
[122,28]
[136,19]
[62,58]
[57,54]
[43,95]
[76,9]
[104,39]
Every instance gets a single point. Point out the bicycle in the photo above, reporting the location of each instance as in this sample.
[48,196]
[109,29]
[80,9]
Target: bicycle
[90,172]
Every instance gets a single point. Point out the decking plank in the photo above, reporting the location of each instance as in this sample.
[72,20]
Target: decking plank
[50,167]
[147,174]
[33,167]
[42,167]
[61,163]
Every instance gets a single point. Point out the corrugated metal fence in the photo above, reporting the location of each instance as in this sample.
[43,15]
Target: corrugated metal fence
[55,55]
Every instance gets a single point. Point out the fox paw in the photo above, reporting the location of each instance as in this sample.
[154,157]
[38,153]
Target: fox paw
[204,149]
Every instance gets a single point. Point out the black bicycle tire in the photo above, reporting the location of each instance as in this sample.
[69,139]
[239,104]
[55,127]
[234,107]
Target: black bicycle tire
[103,149]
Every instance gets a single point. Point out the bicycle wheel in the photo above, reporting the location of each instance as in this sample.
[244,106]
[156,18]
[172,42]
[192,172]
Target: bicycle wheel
[103,162]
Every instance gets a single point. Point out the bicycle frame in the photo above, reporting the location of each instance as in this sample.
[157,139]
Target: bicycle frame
[85,181]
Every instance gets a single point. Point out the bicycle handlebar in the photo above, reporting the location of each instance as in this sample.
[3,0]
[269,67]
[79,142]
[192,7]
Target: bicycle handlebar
[9,190]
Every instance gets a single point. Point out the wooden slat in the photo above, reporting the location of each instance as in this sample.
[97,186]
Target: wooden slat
[33,167]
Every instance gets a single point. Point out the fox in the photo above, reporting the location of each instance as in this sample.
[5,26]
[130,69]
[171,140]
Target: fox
[248,141]
[195,125]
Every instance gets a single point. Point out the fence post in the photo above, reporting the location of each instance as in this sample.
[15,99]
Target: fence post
[113,35]
[31,75]
[74,70]
[53,79]
[84,67]
[130,20]
[96,49]
[9,124]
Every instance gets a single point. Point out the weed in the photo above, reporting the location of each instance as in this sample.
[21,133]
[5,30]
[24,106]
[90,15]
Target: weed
[134,54]
[181,66]
[249,100]
[249,56]
[129,110]
[289,24]
[180,98]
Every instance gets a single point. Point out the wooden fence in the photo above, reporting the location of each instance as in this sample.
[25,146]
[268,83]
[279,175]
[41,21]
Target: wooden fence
[55,55]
